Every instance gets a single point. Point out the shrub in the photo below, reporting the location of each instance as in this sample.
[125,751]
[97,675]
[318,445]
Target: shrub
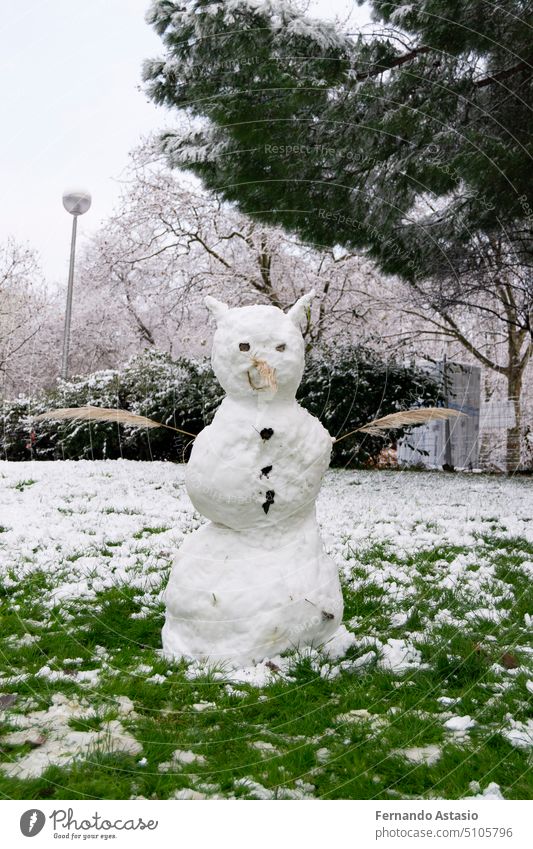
[181,393]
[349,386]
[345,388]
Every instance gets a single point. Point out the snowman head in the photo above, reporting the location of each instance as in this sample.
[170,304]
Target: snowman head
[258,351]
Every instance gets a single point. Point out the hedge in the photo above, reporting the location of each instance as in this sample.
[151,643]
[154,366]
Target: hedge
[344,387]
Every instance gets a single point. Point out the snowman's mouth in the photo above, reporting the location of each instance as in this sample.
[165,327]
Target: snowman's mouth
[261,376]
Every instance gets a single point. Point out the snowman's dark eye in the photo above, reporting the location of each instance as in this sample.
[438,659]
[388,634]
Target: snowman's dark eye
[281,347]
[244,346]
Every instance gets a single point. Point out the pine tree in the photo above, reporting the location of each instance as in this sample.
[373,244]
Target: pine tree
[402,144]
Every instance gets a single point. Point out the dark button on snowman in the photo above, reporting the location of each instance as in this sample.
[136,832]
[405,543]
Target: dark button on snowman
[255,580]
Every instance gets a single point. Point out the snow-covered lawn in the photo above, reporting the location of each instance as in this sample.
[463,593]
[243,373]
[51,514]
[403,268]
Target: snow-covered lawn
[425,694]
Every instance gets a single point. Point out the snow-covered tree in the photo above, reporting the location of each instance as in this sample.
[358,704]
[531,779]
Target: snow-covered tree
[144,276]
[23,304]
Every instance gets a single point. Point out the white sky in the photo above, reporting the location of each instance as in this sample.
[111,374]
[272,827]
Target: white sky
[72,109]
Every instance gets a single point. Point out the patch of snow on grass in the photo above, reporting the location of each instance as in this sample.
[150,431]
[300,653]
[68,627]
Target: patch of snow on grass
[519,734]
[189,794]
[363,660]
[302,790]
[420,754]
[179,758]
[339,643]
[459,725]
[490,793]
[264,746]
[399,656]
[59,744]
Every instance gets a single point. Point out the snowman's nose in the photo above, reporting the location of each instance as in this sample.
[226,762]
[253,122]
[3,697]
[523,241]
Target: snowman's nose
[262,375]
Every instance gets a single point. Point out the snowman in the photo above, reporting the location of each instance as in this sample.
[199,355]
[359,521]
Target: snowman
[254,580]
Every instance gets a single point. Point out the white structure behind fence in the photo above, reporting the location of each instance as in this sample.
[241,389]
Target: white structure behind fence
[453,443]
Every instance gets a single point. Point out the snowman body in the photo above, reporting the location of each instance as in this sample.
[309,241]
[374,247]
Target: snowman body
[255,580]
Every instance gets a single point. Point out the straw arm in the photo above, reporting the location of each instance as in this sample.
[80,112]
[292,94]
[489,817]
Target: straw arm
[406,418]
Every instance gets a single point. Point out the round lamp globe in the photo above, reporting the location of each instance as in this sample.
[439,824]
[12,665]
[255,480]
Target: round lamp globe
[76,201]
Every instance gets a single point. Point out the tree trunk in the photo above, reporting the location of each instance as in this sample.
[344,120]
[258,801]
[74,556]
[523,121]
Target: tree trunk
[514,390]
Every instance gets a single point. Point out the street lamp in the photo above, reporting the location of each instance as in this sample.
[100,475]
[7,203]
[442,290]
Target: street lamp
[75,202]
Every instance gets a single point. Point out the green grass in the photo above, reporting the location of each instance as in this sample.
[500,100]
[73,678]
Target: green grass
[315,749]
[24,484]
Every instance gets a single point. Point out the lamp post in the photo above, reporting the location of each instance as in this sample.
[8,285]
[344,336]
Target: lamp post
[75,202]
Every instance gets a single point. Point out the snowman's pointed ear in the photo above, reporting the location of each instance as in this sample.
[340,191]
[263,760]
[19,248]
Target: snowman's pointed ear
[216,308]
[298,312]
